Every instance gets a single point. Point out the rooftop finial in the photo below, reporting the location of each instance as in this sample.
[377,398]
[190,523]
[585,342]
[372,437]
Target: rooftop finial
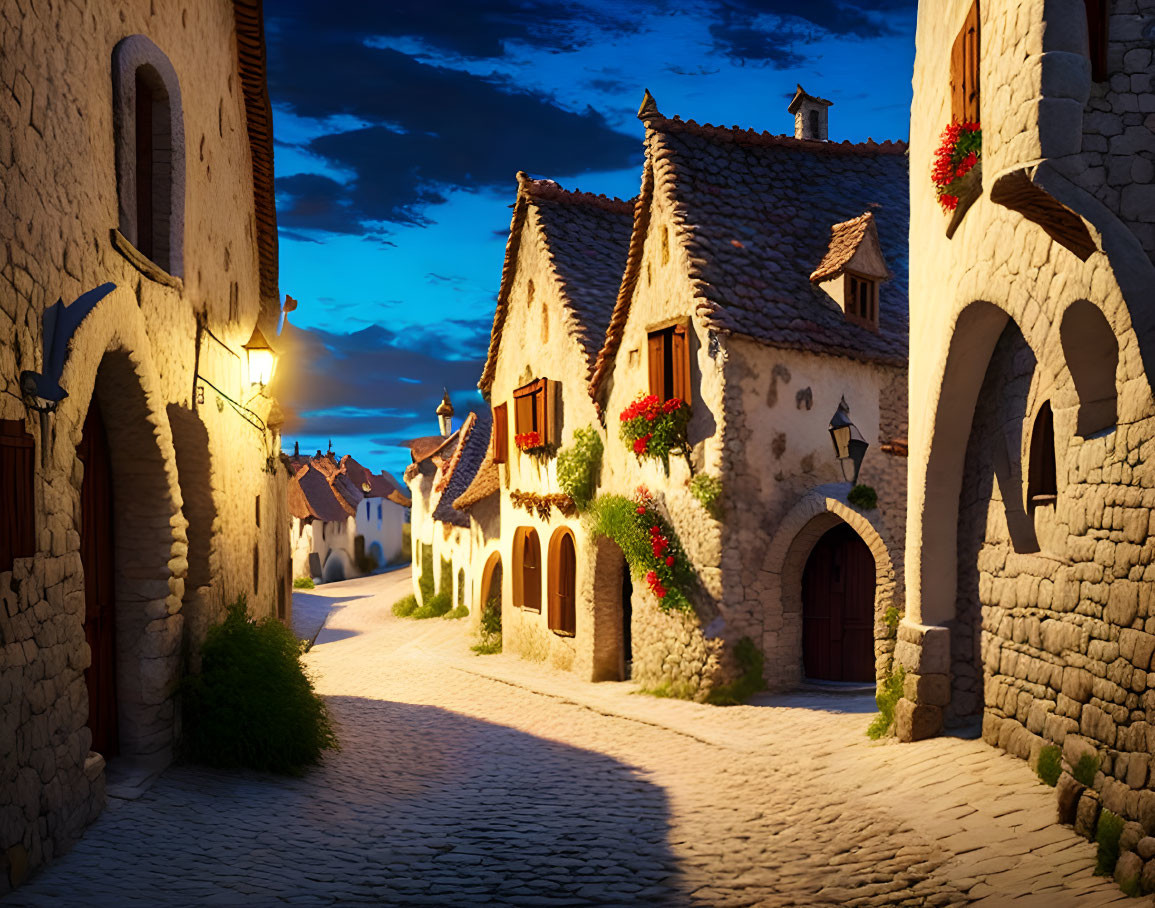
[649,108]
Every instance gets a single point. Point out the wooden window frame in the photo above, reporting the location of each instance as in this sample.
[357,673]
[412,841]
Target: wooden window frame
[524,539]
[668,361]
[562,617]
[1043,465]
[535,410]
[965,83]
[17,493]
[861,308]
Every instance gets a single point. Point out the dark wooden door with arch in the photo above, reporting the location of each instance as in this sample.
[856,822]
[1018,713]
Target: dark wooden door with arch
[97,557]
[838,608]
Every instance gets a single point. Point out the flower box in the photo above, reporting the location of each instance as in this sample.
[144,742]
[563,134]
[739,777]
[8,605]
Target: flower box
[957,171]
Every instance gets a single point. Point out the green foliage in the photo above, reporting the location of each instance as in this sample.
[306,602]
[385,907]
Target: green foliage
[891,619]
[750,660]
[459,611]
[253,705]
[617,517]
[1107,835]
[489,631]
[461,589]
[579,466]
[406,543]
[887,699]
[425,578]
[1085,770]
[863,497]
[303,583]
[670,690]
[1050,765]
[446,584]
[708,490]
[437,605]
[403,608]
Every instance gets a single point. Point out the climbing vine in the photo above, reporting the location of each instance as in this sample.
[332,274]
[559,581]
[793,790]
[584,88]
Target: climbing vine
[578,466]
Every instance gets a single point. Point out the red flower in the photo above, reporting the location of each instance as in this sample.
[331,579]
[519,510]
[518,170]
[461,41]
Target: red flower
[669,561]
[651,577]
[641,510]
[653,531]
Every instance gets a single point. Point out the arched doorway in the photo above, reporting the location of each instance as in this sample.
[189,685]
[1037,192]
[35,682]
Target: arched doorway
[97,557]
[612,613]
[562,583]
[377,554]
[838,608]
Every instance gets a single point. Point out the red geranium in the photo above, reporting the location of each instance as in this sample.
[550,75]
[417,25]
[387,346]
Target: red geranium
[959,151]
[527,441]
[655,428]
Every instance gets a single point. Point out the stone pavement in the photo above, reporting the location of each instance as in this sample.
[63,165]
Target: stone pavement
[470,779]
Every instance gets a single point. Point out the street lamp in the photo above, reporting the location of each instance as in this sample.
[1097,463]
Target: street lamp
[848,441]
[262,359]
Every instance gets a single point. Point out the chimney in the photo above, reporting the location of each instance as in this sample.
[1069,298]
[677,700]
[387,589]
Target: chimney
[810,120]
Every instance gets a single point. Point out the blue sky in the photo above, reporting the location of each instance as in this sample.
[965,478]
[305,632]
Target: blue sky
[400,127]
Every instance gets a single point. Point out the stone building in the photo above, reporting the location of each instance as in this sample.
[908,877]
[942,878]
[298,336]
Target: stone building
[765,285]
[1032,430]
[563,265]
[136,149]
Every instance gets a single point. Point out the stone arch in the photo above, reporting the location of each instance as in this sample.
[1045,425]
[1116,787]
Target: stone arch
[819,510]
[139,65]
[377,553]
[1092,354]
[491,580]
[108,370]
[603,610]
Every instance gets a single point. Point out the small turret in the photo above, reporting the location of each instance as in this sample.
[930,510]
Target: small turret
[445,414]
[810,116]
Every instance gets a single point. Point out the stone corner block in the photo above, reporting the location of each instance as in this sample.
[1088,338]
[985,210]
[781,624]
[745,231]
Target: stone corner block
[916,721]
[923,649]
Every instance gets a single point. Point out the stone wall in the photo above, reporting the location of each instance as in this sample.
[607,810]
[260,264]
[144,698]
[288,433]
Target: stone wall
[174,441]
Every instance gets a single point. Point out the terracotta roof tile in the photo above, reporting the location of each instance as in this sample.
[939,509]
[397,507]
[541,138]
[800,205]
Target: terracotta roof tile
[845,238]
[485,483]
[586,238]
[459,474]
[753,213]
[426,446]
[311,495]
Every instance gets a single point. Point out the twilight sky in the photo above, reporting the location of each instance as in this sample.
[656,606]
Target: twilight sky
[400,126]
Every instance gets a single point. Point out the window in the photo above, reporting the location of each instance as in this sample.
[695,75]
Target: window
[1092,354]
[964,70]
[17,494]
[378,512]
[368,506]
[1098,33]
[149,153]
[500,433]
[527,569]
[562,583]
[1042,483]
[862,300]
[669,361]
[535,410]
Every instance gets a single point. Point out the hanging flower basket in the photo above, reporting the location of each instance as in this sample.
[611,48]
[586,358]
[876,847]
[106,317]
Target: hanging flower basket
[529,442]
[656,428]
[957,171]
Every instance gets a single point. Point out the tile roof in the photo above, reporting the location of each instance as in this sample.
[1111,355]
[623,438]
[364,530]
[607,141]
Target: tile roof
[426,446]
[459,473]
[845,238]
[485,483]
[374,485]
[753,212]
[311,496]
[586,237]
[803,95]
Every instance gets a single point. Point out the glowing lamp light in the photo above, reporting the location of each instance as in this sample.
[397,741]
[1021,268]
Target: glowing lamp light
[848,441]
[262,359]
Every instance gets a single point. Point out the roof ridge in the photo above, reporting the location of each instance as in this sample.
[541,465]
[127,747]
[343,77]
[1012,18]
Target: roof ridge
[753,136]
[551,190]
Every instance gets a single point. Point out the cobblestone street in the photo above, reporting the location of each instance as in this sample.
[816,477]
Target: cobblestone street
[485,780]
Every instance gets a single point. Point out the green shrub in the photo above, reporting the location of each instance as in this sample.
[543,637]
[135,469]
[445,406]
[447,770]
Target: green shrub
[461,588]
[1107,835]
[863,497]
[459,611]
[1050,765]
[253,705]
[403,608]
[617,517]
[750,660]
[1086,769]
[886,699]
[489,629]
[303,583]
[707,490]
[446,584]
[438,605]
[425,578]
[891,619]
[670,690]
[579,465]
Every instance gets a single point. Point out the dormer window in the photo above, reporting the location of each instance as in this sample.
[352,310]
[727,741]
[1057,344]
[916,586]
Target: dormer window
[861,295]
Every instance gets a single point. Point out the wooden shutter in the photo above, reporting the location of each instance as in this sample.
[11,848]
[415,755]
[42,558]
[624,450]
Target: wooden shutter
[964,70]
[657,360]
[531,571]
[1098,18]
[550,422]
[17,494]
[553,618]
[680,354]
[500,438]
[523,412]
[518,557]
[567,585]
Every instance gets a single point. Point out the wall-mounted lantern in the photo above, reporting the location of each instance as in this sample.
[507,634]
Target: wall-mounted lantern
[848,441]
[445,414]
[262,359]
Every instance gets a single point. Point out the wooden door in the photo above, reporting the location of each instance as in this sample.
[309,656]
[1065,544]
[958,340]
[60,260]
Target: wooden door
[96,553]
[838,608]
